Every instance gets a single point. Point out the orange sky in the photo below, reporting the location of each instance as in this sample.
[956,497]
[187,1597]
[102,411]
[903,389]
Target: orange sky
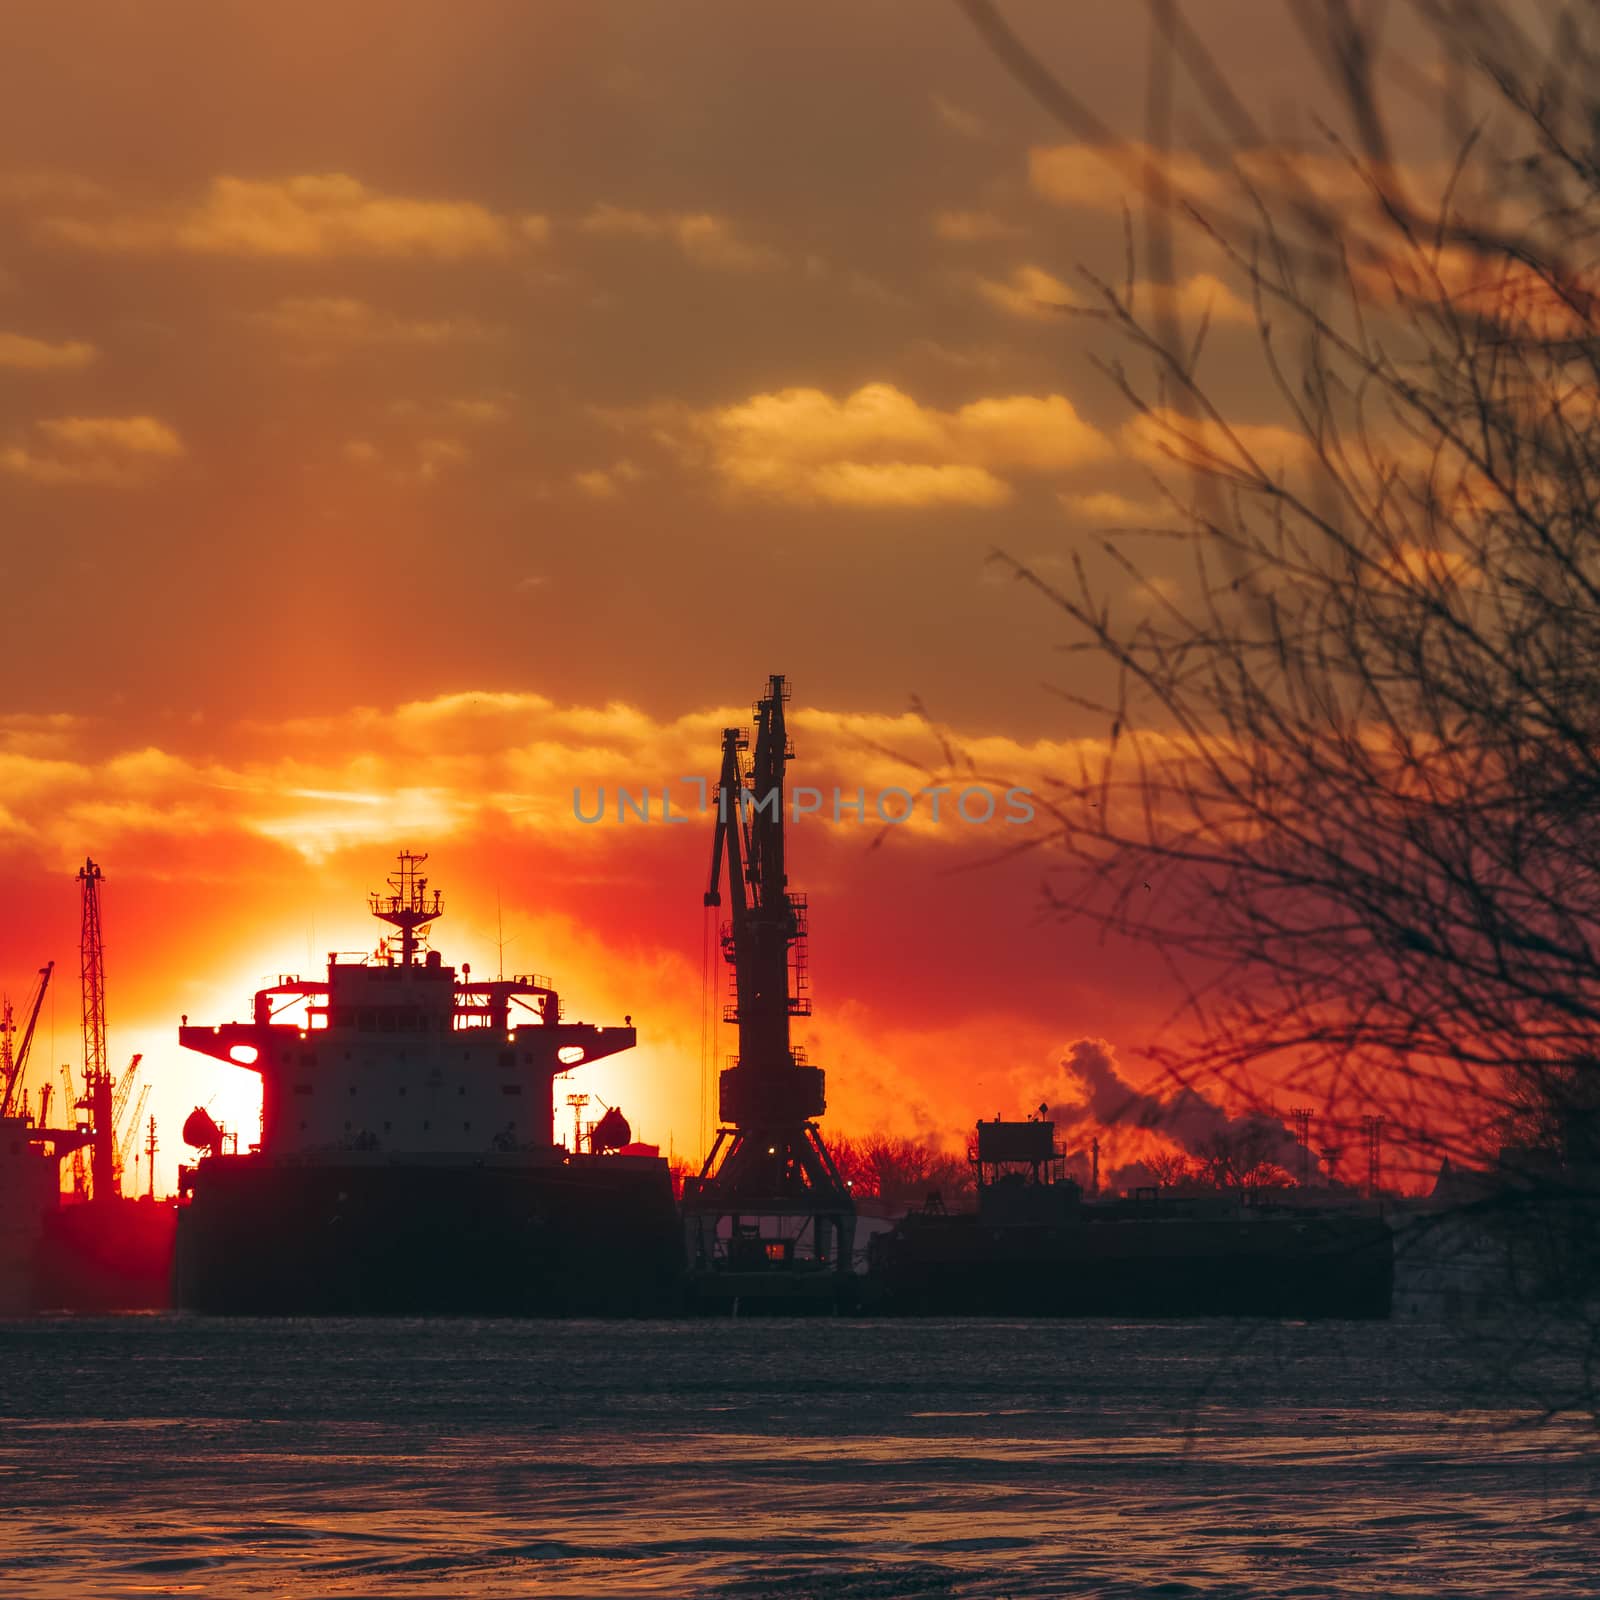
[408,413]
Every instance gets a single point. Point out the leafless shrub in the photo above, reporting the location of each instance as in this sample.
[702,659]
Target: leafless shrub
[903,1172]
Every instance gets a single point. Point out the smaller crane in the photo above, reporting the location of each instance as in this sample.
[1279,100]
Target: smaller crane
[126,1144]
[119,1100]
[72,1103]
[16,1064]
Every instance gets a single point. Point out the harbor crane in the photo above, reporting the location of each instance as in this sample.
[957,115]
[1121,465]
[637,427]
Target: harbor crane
[72,1102]
[14,1065]
[127,1139]
[98,1085]
[769,1177]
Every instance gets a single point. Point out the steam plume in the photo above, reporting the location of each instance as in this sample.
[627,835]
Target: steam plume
[1188,1118]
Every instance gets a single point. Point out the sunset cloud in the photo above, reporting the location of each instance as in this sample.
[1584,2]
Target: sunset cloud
[971,227]
[24,354]
[1162,437]
[342,321]
[333,781]
[310,217]
[296,816]
[606,483]
[897,483]
[1028,292]
[112,452]
[700,237]
[1032,292]
[1488,285]
[1110,177]
[880,447]
[1114,177]
[1201,295]
[420,462]
[1106,506]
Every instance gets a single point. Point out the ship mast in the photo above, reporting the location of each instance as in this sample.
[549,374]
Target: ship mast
[407,905]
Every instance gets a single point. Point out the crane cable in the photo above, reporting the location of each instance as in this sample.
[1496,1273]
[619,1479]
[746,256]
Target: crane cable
[705,1027]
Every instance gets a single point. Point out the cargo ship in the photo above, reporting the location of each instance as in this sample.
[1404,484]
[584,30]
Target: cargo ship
[408,1162]
[1036,1247]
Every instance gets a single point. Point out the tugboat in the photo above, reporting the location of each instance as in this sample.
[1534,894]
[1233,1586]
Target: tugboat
[408,1162]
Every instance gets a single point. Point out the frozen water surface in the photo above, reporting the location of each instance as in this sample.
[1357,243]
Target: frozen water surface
[842,1459]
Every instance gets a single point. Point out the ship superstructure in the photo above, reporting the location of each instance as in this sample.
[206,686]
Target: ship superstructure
[408,1157]
[404,1054]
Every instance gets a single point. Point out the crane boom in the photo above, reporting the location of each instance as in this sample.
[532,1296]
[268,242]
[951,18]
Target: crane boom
[119,1100]
[131,1132]
[19,1061]
[72,1105]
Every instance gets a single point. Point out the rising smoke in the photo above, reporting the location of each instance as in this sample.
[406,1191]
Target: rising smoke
[1196,1124]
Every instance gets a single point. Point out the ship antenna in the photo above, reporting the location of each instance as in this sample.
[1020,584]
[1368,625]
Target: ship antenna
[408,905]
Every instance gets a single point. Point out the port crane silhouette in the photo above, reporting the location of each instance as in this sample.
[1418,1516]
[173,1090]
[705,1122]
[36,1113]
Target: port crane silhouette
[13,1064]
[769,1176]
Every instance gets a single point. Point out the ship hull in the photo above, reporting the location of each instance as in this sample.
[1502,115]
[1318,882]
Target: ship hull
[1169,1267]
[591,1237]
